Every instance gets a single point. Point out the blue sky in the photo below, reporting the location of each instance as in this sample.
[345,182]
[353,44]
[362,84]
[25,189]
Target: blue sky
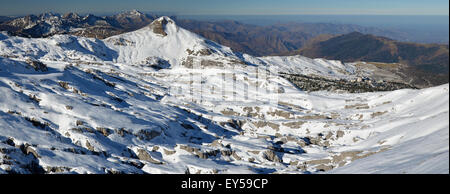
[231,7]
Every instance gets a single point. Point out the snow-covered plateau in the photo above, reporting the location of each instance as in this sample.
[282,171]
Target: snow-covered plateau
[165,100]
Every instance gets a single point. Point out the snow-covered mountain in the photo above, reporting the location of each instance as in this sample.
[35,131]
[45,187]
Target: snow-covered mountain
[49,24]
[162,99]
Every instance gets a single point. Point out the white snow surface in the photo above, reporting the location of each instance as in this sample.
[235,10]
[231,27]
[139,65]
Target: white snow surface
[132,104]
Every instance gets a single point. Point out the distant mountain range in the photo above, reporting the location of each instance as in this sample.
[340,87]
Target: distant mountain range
[49,24]
[272,39]
[246,38]
[426,64]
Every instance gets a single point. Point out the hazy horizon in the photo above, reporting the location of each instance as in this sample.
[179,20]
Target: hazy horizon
[425,28]
[232,7]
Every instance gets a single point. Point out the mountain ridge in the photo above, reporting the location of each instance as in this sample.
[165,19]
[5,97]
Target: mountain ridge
[427,64]
[48,24]
[81,105]
[423,65]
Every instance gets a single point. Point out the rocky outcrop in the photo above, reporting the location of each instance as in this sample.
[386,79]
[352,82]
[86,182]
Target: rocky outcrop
[159,26]
[37,65]
[314,83]
[145,156]
[272,156]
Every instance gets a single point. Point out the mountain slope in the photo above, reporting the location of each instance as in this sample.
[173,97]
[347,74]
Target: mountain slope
[416,65]
[173,44]
[164,100]
[418,137]
[426,64]
[255,40]
[49,24]
[273,39]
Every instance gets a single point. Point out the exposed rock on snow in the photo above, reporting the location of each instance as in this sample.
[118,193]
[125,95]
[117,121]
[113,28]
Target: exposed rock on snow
[164,100]
[159,26]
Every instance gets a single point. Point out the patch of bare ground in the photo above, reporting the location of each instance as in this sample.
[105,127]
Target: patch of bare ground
[281,113]
[357,106]
[261,124]
[294,124]
[340,159]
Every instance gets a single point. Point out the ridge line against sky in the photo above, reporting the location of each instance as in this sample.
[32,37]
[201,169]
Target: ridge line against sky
[230,7]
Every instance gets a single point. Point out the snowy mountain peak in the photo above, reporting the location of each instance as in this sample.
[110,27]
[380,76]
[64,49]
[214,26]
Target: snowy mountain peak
[71,15]
[90,16]
[135,12]
[166,18]
[161,39]
[48,15]
[159,26]
[131,14]
[142,102]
